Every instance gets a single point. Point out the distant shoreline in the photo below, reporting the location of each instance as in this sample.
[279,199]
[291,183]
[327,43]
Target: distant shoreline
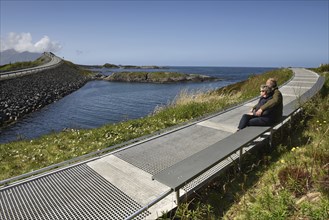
[114,66]
[158,77]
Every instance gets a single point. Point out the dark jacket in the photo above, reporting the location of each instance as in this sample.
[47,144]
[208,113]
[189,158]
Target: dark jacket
[261,102]
[274,106]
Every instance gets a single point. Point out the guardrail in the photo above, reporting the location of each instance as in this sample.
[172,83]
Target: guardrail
[54,62]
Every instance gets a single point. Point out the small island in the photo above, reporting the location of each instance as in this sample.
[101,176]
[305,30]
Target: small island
[109,65]
[114,66]
[158,77]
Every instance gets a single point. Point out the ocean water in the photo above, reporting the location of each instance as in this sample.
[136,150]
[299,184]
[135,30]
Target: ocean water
[101,102]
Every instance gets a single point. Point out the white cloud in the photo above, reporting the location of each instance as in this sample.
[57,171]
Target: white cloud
[23,42]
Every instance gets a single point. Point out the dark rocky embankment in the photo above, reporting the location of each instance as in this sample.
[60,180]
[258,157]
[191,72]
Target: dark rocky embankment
[22,95]
[157,77]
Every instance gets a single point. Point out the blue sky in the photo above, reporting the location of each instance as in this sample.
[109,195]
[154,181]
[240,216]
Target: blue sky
[178,33]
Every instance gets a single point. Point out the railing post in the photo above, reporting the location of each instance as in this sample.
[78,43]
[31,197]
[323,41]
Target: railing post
[177,197]
[240,159]
[271,138]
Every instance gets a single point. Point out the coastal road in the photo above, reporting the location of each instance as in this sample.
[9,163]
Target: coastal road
[55,61]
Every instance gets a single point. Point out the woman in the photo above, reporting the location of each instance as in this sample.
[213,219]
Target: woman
[250,119]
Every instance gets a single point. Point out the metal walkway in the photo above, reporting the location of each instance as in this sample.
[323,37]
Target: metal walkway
[119,184]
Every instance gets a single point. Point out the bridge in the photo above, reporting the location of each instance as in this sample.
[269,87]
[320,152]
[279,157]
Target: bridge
[54,62]
[132,182]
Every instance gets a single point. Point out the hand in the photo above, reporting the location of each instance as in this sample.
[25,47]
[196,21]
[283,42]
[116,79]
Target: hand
[259,112]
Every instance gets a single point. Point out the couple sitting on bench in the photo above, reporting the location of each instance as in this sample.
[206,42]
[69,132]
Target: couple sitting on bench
[268,110]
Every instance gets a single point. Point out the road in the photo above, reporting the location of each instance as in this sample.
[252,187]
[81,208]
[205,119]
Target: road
[55,61]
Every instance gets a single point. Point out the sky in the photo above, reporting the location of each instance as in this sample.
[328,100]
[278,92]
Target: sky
[171,33]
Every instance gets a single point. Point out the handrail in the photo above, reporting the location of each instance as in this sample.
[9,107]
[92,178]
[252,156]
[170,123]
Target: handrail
[155,201]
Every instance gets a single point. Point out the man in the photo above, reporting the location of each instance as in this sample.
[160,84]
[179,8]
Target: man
[275,104]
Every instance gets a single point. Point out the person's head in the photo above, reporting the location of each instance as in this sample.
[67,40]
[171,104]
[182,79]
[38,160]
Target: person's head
[272,83]
[265,90]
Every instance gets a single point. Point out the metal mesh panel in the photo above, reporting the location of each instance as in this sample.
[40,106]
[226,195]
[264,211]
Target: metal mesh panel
[76,193]
[206,176]
[159,154]
[200,180]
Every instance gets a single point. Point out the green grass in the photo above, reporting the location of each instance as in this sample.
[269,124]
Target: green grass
[82,71]
[148,76]
[24,156]
[22,65]
[289,182]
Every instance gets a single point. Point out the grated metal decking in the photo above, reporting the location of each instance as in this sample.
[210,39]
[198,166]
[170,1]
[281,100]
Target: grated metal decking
[75,193]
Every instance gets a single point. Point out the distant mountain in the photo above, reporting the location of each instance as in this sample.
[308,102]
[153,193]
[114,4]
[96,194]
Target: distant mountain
[12,56]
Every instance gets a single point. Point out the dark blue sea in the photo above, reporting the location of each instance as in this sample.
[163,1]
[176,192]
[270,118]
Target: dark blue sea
[101,102]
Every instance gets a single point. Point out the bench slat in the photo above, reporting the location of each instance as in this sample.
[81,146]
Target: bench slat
[186,170]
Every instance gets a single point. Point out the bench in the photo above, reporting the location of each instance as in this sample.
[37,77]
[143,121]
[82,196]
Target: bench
[181,173]
[184,171]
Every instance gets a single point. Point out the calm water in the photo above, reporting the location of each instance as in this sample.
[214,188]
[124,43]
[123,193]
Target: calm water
[102,102]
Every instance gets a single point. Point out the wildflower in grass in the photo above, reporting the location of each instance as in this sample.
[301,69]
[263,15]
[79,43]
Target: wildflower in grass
[293,149]
[282,161]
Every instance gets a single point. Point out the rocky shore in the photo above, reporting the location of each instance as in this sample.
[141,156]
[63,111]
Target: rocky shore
[22,95]
[157,77]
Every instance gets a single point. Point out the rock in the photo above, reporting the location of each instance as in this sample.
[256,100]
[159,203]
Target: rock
[311,197]
[37,90]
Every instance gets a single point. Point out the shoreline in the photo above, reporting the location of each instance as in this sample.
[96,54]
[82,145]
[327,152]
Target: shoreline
[37,91]
[71,143]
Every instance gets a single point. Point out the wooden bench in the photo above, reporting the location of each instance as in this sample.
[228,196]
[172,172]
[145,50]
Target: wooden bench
[181,173]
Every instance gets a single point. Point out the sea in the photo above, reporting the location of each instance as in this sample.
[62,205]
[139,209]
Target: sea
[101,102]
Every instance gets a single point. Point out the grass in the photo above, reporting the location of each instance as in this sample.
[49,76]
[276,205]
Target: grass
[82,71]
[289,182]
[25,156]
[147,76]
[22,65]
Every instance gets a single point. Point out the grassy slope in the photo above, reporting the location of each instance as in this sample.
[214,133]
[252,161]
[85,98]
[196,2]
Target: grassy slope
[289,182]
[25,156]
[22,65]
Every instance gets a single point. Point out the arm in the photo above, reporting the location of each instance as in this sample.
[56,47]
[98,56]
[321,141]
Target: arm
[276,99]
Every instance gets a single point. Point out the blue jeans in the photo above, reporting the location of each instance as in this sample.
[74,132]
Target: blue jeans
[251,120]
